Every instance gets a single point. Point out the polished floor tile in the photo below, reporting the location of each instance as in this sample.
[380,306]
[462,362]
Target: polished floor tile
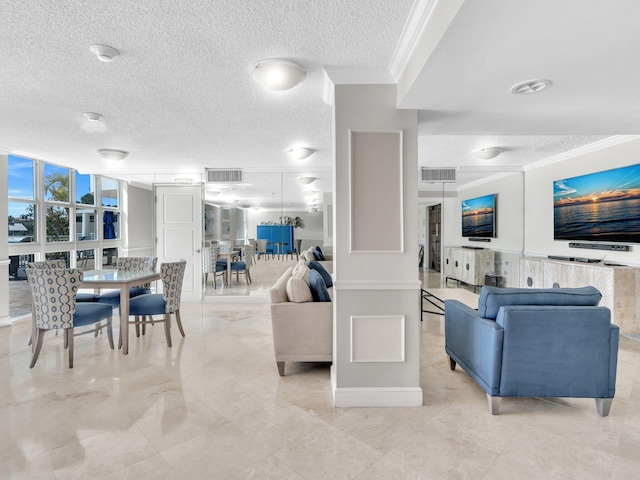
[214,407]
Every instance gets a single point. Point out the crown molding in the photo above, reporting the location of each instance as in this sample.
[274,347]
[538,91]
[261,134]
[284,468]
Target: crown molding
[583,150]
[418,20]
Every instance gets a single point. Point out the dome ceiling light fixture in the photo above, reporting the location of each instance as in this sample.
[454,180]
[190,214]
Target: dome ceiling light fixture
[309,192]
[93,116]
[530,86]
[105,53]
[487,153]
[299,153]
[278,74]
[111,154]
[307,180]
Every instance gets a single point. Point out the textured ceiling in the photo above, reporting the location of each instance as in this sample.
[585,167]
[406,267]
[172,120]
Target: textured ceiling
[181,98]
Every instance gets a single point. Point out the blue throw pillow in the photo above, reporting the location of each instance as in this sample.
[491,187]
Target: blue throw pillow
[318,254]
[321,270]
[319,290]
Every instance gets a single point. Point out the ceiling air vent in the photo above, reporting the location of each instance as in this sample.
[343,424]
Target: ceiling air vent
[221,175]
[438,174]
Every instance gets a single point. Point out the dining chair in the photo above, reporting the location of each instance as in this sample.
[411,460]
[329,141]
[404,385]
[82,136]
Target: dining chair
[211,264]
[243,266]
[54,264]
[166,303]
[81,296]
[54,298]
[130,263]
[262,247]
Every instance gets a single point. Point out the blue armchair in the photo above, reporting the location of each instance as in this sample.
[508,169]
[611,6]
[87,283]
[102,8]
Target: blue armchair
[524,342]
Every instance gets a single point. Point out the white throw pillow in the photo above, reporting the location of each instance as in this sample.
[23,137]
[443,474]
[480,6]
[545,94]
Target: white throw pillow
[298,290]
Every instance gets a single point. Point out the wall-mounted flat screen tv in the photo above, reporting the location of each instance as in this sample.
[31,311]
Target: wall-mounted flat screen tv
[479,217]
[602,206]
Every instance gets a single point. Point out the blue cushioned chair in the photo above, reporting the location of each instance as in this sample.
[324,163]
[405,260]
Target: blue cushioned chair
[243,267]
[130,263]
[165,303]
[525,342]
[52,264]
[211,264]
[54,299]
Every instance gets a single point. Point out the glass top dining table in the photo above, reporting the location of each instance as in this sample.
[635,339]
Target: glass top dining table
[123,280]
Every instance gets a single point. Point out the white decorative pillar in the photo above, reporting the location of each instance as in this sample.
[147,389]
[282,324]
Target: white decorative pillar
[375,239]
[4,245]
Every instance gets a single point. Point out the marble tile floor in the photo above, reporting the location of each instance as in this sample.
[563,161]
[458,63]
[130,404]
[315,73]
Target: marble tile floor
[214,407]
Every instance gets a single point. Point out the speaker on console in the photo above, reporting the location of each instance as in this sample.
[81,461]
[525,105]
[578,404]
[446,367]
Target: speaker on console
[601,246]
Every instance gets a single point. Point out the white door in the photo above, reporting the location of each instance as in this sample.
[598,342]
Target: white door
[179,224]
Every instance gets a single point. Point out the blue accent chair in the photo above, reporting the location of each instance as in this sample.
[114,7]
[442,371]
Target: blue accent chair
[524,342]
[54,302]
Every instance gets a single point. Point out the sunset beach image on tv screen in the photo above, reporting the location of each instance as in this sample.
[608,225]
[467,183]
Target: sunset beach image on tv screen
[602,206]
[478,216]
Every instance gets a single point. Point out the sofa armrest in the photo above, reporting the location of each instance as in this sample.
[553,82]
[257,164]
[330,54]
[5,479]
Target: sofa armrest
[302,331]
[475,343]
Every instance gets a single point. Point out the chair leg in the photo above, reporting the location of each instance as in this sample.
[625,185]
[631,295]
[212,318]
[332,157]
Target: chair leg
[604,406]
[37,345]
[167,328]
[110,331]
[179,322]
[494,404]
[452,363]
[249,277]
[69,333]
[281,368]
[137,320]
[144,324]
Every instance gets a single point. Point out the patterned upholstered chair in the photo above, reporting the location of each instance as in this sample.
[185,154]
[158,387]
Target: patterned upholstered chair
[262,248]
[130,263]
[211,264]
[54,298]
[244,266]
[166,303]
[81,296]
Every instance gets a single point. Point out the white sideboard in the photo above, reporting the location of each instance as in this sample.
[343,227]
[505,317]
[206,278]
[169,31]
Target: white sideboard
[468,265]
[619,285]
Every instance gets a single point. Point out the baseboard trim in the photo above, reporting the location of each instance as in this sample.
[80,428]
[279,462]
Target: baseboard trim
[377,397]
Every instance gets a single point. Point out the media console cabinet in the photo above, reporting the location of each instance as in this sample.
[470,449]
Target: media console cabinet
[468,265]
[619,285]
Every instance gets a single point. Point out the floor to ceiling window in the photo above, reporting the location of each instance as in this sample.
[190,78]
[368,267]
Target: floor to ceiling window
[54,213]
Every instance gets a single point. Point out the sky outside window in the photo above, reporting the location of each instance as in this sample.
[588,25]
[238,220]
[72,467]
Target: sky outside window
[20,177]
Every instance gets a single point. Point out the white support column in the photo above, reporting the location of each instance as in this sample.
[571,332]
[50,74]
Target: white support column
[4,245]
[375,239]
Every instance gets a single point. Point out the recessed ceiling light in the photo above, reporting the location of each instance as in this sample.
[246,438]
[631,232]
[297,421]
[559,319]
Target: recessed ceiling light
[111,154]
[212,193]
[309,192]
[530,86]
[307,180]
[105,53]
[278,74]
[93,116]
[487,153]
[183,180]
[299,153]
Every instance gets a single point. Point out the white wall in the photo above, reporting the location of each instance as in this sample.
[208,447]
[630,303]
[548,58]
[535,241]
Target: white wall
[139,221]
[509,214]
[525,203]
[4,246]
[538,231]
[311,234]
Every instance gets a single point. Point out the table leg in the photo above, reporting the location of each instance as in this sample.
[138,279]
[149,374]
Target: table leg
[124,318]
[228,270]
